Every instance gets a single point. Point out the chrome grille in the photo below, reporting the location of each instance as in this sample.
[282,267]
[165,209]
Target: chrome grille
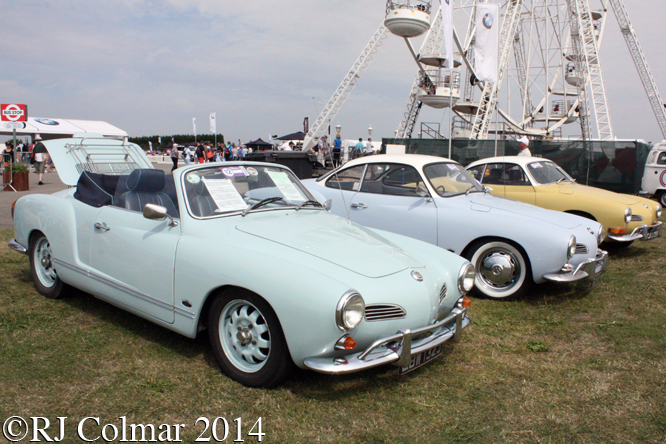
[581,249]
[636,218]
[384,312]
[442,293]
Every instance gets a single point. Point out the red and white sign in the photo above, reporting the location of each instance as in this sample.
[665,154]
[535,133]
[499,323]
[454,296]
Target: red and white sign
[13,112]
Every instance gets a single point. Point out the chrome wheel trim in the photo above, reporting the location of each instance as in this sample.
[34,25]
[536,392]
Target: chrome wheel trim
[662,199]
[43,260]
[244,336]
[500,269]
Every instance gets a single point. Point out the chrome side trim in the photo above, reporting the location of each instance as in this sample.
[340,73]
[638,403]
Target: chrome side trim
[396,349]
[14,245]
[125,289]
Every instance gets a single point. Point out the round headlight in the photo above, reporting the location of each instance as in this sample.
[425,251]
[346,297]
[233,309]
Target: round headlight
[571,248]
[627,215]
[602,235]
[466,277]
[350,311]
[658,211]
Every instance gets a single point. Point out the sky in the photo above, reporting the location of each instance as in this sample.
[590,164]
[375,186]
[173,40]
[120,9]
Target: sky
[150,66]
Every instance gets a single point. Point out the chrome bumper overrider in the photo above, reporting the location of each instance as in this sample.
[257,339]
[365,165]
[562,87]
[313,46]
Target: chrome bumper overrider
[644,233]
[17,247]
[397,349]
[590,269]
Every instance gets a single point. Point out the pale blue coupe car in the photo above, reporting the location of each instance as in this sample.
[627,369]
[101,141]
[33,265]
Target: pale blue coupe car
[244,251]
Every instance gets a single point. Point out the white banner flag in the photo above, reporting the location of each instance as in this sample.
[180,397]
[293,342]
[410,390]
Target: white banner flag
[194,125]
[447,25]
[213,127]
[486,46]
[150,144]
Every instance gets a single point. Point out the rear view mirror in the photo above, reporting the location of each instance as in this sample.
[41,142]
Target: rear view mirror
[154,212]
[328,205]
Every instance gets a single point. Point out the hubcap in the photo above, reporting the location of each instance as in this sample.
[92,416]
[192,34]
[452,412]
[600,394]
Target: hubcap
[43,263]
[244,336]
[498,268]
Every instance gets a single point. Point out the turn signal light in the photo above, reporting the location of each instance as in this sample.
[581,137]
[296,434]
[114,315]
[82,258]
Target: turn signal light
[349,344]
[13,205]
[617,230]
[466,302]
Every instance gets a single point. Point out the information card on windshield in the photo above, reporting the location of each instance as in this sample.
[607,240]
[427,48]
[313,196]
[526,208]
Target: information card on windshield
[225,195]
[286,186]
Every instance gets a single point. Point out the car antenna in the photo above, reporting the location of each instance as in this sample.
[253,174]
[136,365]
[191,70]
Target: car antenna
[344,202]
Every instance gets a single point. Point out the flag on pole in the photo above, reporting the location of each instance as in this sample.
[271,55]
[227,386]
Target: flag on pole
[150,144]
[213,127]
[447,26]
[159,140]
[270,139]
[194,125]
[486,45]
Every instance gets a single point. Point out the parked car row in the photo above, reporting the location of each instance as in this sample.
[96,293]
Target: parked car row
[380,278]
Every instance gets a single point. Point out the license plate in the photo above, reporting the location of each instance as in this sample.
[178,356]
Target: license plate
[652,234]
[420,359]
[595,281]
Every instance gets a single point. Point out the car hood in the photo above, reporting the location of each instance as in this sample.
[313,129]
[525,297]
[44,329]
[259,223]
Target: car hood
[487,202]
[330,238]
[595,193]
[94,153]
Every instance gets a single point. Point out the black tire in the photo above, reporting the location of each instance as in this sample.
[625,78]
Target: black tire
[43,273]
[662,199]
[250,347]
[502,269]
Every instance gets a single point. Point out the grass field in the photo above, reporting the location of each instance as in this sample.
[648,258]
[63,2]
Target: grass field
[558,366]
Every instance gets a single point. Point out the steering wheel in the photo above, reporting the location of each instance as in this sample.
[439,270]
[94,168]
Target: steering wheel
[440,192]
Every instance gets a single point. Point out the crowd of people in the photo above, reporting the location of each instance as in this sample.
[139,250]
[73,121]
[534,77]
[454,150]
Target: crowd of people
[34,154]
[205,152]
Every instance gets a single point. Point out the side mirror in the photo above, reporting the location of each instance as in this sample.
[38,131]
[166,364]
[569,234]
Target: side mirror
[328,205]
[157,212]
[487,189]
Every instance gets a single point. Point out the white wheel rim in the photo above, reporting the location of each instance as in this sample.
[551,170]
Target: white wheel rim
[500,269]
[244,336]
[44,263]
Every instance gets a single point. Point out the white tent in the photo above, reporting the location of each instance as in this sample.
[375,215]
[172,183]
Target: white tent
[57,128]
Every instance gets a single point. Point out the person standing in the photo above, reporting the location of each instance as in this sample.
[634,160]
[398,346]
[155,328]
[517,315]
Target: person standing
[8,154]
[187,152]
[41,154]
[359,148]
[523,146]
[174,156]
[368,147]
[200,153]
[337,146]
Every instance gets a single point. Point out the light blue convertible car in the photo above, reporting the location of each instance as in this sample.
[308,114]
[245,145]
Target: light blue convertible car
[244,251]
[436,200]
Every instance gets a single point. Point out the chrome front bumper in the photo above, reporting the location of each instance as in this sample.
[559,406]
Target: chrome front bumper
[17,247]
[397,349]
[644,233]
[591,270]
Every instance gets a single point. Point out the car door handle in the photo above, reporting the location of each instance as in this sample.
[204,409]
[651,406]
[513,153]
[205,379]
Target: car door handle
[102,226]
[358,206]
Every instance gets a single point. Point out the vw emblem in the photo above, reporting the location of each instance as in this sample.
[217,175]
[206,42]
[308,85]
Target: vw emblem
[589,230]
[416,275]
[646,207]
[497,270]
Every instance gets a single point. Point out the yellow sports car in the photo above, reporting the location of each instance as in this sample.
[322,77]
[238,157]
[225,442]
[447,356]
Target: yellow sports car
[543,183]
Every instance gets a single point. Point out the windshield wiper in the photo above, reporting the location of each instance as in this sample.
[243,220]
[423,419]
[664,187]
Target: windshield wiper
[560,179]
[260,204]
[314,203]
[469,190]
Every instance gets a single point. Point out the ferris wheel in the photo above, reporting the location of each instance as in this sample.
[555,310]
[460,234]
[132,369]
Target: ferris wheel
[548,74]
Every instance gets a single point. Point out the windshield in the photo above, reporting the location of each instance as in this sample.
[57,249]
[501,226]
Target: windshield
[222,190]
[547,172]
[450,179]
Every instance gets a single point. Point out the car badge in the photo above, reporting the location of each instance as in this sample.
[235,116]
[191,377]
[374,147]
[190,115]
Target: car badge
[589,230]
[646,207]
[416,275]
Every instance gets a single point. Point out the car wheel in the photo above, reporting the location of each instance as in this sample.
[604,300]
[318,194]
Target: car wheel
[501,269]
[662,199]
[44,275]
[247,340]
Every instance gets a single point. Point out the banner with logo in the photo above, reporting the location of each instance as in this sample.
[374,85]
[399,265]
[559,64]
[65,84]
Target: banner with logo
[447,26]
[213,126]
[194,125]
[486,45]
